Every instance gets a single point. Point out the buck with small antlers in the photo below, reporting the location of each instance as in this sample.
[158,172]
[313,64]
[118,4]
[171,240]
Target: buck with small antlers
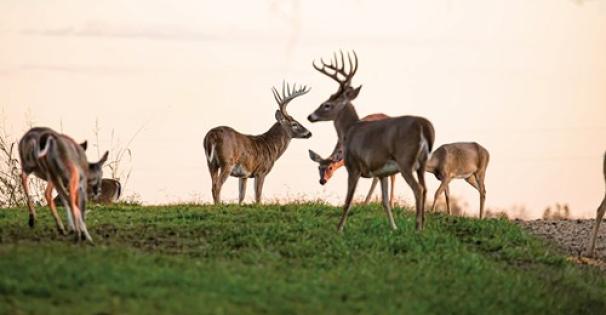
[375,148]
[599,216]
[467,160]
[229,152]
[329,165]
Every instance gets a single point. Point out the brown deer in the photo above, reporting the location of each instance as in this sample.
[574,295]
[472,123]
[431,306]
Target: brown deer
[59,160]
[375,148]
[229,152]
[111,189]
[467,160]
[598,218]
[329,165]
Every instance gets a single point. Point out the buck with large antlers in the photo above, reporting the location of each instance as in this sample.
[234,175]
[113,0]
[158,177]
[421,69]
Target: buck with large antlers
[375,148]
[329,165]
[229,152]
[467,160]
[599,216]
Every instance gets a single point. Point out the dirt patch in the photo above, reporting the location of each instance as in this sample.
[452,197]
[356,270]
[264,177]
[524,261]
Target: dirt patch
[572,236]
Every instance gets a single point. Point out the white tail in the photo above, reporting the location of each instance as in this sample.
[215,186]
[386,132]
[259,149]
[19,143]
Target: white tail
[210,155]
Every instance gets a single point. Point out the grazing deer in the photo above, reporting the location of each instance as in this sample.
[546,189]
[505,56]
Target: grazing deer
[229,152]
[375,148]
[467,160]
[111,189]
[329,165]
[598,218]
[59,160]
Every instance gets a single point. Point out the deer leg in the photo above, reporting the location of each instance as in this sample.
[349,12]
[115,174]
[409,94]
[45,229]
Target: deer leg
[596,227]
[48,193]
[30,204]
[259,187]
[68,211]
[473,182]
[214,177]
[386,202]
[443,186]
[372,189]
[480,180]
[418,192]
[242,186]
[421,179]
[82,205]
[352,182]
[224,174]
[74,183]
[447,195]
[391,194]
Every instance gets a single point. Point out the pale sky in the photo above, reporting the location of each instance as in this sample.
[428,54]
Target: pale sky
[525,78]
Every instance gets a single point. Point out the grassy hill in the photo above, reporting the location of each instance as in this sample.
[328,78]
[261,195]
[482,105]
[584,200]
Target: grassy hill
[190,259]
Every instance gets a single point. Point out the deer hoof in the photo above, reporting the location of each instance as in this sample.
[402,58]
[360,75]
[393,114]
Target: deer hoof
[32,220]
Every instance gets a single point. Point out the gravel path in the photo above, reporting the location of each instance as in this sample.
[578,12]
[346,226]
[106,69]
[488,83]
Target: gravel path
[572,236]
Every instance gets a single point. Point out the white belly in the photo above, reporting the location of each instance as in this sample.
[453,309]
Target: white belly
[463,176]
[389,168]
[239,171]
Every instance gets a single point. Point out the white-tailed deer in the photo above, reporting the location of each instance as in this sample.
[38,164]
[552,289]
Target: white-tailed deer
[229,152]
[375,148]
[466,160]
[599,216]
[111,189]
[59,160]
[329,165]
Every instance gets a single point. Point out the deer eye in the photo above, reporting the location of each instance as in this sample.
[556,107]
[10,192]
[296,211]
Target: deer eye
[326,106]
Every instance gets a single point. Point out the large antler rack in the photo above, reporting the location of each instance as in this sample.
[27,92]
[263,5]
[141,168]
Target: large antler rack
[335,69]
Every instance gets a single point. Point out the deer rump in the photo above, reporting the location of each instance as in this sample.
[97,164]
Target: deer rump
[391,141]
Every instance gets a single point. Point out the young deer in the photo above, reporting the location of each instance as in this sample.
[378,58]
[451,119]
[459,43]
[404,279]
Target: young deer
[467,160]
[375,148]
[229,152]
[329,165]
[111,189]
[59,160]
[598,218]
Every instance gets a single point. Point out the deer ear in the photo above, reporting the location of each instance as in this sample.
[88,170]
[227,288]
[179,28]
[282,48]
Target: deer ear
[84,145]
[315,156]
[279,116]
[103,158]
[353,93]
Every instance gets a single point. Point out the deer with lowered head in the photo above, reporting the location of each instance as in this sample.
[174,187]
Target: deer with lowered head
[329,165]
[61,162]
[466,160]
[375,148]
[599,216]
[230,153]
[111,189]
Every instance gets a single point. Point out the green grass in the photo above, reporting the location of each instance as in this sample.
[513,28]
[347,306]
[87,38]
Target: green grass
[285,259]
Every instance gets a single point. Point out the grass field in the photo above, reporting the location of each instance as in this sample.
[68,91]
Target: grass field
[286,259]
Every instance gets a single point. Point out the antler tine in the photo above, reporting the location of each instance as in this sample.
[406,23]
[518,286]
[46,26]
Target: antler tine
[276,95]
[356,63]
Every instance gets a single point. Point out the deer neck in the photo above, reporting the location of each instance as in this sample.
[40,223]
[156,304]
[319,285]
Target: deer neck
[275,141]
[345,119]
